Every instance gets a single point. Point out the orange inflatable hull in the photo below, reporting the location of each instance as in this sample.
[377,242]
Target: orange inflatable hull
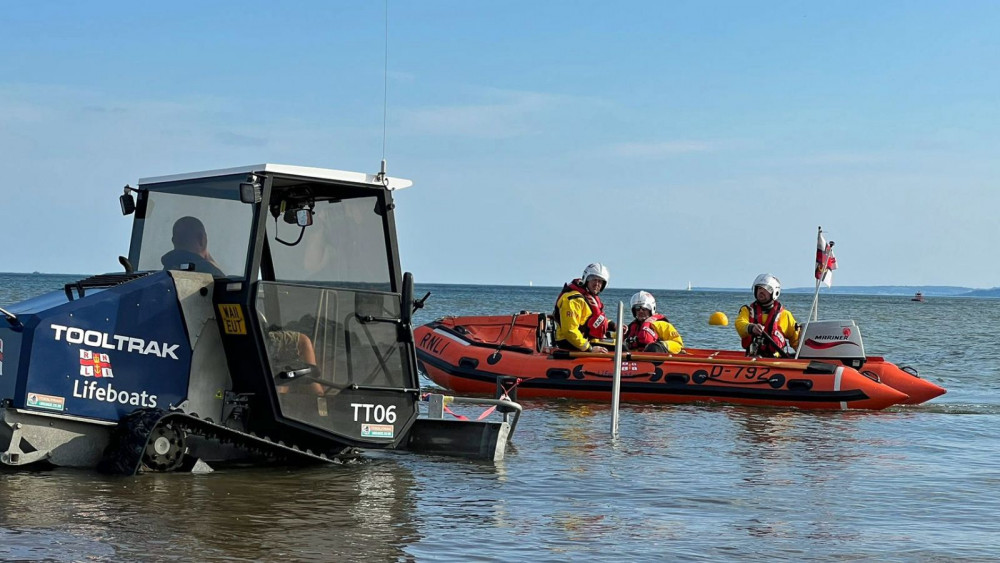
[470,355]
[917,389]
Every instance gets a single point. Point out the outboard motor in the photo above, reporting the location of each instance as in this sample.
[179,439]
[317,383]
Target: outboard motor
[837,340]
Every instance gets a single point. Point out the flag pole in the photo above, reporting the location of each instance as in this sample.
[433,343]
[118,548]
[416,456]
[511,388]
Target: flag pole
[814,308]
[616,382]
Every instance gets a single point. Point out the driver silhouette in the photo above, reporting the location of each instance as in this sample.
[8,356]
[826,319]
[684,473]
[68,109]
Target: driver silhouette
[191,249]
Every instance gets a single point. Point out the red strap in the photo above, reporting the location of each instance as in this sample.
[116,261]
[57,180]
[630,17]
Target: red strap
[452,413]
[487,412]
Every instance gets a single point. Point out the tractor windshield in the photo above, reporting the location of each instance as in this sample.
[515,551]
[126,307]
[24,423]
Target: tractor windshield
[344,247]
[194,225]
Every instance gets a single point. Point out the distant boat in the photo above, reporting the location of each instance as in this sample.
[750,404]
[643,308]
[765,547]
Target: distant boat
[918,297]
[689,286]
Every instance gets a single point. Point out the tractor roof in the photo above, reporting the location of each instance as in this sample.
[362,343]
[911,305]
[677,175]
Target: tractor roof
[286,170]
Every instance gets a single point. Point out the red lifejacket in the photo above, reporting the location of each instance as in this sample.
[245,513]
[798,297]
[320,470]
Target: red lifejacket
[641,334]
[771,327]
[596,325]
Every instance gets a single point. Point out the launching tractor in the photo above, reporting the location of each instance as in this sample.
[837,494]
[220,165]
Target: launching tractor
[261,315]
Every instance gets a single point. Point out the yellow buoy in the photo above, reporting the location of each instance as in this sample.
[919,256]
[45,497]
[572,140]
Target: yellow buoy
[718,318]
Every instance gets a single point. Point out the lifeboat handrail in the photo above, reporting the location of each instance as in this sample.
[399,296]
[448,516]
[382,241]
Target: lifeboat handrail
[630,356]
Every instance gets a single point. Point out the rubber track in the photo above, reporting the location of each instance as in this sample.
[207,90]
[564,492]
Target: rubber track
[123,456]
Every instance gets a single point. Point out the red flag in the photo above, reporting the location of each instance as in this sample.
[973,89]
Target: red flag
[831,265]
[825,260]
[820,255]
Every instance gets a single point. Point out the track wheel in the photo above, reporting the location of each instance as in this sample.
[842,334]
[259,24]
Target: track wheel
[164,449]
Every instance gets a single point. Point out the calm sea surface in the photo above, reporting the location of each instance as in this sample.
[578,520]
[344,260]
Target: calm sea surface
[697,482]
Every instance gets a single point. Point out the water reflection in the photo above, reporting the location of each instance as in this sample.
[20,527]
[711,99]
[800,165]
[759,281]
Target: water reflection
[361,510]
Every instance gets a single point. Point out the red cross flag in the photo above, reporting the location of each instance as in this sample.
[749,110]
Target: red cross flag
[826,262]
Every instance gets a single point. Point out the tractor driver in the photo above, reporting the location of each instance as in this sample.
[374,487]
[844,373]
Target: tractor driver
[190,249]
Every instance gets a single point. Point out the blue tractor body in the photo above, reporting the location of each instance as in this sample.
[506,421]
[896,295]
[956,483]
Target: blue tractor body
[86,357]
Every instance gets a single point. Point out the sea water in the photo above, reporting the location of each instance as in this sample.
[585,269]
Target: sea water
[691,482]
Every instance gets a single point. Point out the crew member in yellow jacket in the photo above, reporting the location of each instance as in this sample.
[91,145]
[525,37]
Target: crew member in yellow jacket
[651,332]
[580,312]
[764,318]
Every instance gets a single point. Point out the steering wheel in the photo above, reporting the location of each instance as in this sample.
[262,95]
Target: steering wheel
[302,376]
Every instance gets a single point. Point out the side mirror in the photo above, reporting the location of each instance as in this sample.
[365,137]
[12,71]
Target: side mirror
[409,304]
[406,307]
[127,201]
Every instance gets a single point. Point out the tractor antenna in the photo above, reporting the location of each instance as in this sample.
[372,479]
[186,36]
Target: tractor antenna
[385,95]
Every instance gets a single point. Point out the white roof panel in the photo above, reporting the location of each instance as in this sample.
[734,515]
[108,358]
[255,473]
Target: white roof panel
[287,169]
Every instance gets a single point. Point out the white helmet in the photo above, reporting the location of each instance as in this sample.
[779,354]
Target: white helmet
[596,270]
[768,282]
[645,300]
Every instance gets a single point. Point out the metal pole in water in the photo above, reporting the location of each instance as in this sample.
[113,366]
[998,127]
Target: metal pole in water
[616,385]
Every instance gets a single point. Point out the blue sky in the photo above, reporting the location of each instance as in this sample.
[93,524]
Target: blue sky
[673,141]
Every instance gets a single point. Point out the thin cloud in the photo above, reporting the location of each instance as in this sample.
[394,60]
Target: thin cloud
[58,104]
[661,149]
[495,121]
[234,139]
[502,114]
[842,158]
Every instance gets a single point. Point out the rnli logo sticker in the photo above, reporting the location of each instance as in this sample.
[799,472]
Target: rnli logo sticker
[232,319]
[377,431]
[49,402]
[95,364]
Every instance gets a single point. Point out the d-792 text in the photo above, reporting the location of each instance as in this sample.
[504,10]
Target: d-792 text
[739,372]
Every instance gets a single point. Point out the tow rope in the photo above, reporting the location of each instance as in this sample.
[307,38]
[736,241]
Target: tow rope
[503,397]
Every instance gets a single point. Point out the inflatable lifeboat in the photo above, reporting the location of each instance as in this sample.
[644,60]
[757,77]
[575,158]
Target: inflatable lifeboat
[485,354]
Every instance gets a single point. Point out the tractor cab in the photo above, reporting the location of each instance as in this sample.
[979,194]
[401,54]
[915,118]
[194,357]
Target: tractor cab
[312,307]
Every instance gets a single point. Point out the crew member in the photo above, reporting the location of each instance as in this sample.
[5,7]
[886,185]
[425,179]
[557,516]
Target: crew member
[649,331]
[579,312]
[765,327]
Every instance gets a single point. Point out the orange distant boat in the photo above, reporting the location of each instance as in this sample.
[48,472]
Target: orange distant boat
[476,354]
